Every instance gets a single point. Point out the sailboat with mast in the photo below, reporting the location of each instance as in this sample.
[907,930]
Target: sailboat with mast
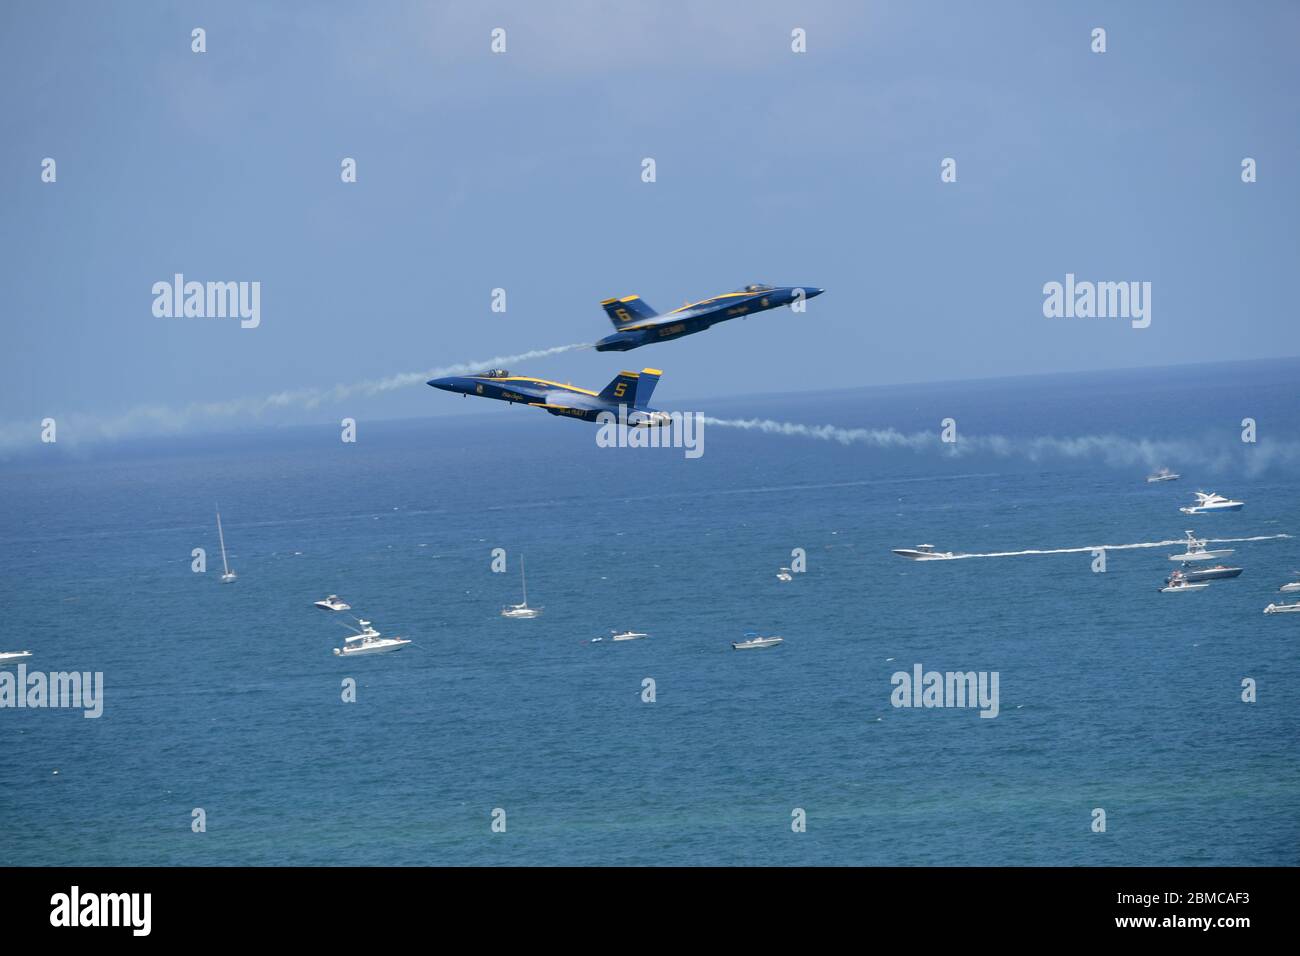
[521,610]
[227,575]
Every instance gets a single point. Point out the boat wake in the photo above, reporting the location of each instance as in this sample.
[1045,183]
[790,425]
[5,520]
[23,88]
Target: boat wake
[1095,547]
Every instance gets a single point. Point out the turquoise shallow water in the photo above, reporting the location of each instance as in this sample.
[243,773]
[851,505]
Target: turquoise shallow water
[228,697]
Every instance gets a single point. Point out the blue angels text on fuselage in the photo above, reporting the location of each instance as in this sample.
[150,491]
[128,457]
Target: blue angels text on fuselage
[639,325]
[629,391]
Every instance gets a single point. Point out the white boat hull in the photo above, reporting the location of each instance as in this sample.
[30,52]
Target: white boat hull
[755,645]
[1206,509]
[1283,608]
[521,615]
[1288,588]
[9,656]
[1170,589]
[382,647]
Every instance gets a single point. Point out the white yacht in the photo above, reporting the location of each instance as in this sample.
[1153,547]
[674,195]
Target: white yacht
[521,610]
[1291,586]
[8,657]
[368,641]
[1282,608]
[784,574]
[333,603]
[1177,583]
[227,575]
[922,552]
[753,641]
[626,635]
[1212,502]
[1196,551]
[1162,474]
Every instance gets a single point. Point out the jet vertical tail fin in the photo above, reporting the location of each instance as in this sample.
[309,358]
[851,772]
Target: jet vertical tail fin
[621,391]
[627,310]
[645,386]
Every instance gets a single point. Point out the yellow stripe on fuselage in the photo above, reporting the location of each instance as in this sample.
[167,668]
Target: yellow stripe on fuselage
[535,381]
[725,295]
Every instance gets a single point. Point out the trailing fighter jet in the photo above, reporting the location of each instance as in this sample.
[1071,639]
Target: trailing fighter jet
[639,325]
[629,390]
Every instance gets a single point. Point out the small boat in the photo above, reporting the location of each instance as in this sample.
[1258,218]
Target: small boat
[227,575]
[1178,583]
[784,574]
[1216,573]
[1162,474]
[368,641]
[333,603]
[922,552]
[1283,608]
[626,635]
[7,657]
[1212,502]
[1291,586]
[521,610]
[1196,551]
[753,641]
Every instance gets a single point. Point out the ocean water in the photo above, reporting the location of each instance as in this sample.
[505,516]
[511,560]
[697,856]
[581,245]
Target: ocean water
[228,698]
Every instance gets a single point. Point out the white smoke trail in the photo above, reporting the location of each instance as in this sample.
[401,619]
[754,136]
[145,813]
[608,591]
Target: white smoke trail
[1097,547]
[1115,450]
[155,419]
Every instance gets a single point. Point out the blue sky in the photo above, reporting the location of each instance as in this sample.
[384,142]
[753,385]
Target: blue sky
[522,171]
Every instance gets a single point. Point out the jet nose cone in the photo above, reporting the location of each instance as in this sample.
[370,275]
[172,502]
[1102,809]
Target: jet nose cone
[812,292]
[447,384]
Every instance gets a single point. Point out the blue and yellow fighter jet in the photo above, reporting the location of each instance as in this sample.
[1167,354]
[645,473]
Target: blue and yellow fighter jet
[629,390]
[639,325]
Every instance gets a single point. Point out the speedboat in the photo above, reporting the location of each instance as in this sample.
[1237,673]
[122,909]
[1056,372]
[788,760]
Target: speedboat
[7,657]
[1282,608]
[1211,502]
[1290,586]
[753,641]
[369,641]
[1216,573]
[333,603]
[784,574]
[1177,583]
[1196,551]
[627,635]
[922,552]
[1162,474]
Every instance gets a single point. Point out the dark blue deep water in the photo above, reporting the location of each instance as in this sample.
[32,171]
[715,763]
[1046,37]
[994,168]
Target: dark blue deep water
[227,697]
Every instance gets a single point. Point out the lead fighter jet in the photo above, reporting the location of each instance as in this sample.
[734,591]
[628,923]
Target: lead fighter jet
[639,325]
[630,392]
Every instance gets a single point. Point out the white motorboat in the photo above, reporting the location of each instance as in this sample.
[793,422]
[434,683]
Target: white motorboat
[521,610]
[627,635]
[754,641]
[368,641]
[227,575]
[1283,608]
[923,552]
[784,574]
[8,657]
[333,603]
[1211,502]
[1177,583]
[1196,551]
[1290,586]
[1162,474]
